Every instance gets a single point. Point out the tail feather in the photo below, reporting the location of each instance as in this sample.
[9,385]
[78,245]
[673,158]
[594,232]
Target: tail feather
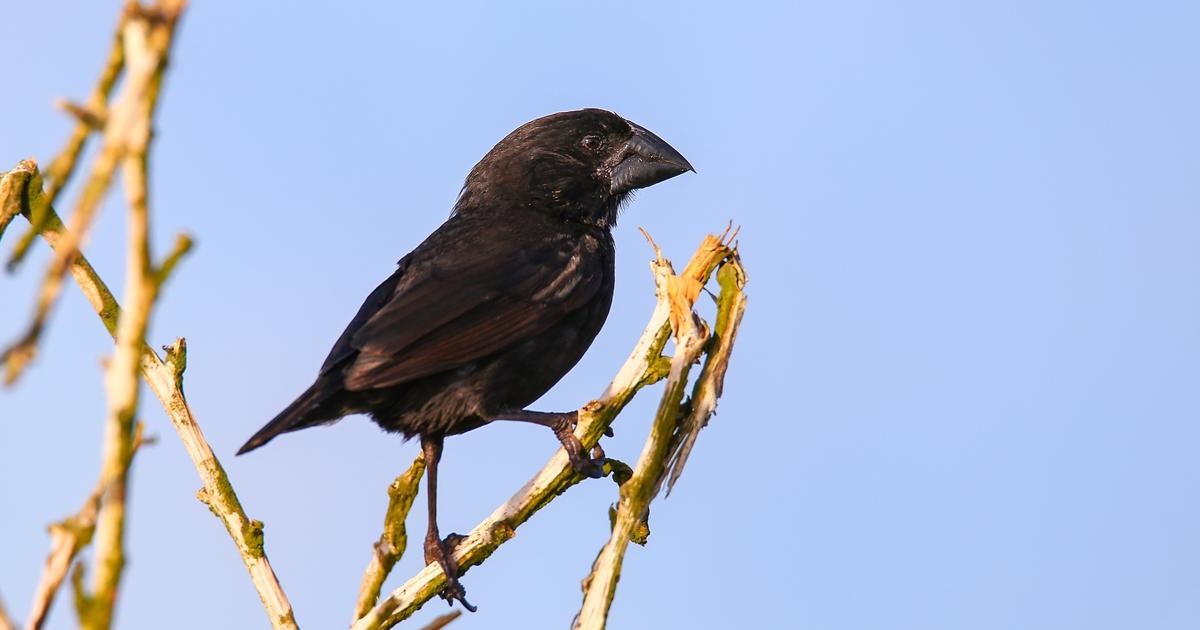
[303,412]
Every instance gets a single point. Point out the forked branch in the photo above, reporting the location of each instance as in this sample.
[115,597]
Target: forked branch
[676,423]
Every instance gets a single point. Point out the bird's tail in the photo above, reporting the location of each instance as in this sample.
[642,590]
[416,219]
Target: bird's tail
[305,411]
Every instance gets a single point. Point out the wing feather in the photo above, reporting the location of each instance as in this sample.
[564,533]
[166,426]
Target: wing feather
[443,318]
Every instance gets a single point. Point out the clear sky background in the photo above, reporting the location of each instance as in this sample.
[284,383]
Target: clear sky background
[967,390]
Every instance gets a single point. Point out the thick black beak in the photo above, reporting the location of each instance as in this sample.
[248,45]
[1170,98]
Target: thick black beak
[646,160]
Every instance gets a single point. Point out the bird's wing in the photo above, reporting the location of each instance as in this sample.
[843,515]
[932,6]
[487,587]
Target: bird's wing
[457,309]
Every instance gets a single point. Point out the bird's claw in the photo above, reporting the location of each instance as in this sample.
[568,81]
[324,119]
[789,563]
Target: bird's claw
[593,468]
[453,592]
[439,551]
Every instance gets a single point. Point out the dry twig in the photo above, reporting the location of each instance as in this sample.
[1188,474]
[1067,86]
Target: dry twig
[165,379]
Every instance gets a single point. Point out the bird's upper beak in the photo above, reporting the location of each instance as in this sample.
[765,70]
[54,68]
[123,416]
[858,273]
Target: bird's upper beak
[645,160]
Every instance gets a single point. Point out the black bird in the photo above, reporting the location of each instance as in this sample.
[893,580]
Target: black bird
[498,304]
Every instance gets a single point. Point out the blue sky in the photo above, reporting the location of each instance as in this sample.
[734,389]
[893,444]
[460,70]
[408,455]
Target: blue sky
[965,394]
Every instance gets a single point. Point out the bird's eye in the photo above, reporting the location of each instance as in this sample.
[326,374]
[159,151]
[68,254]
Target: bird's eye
[592,142]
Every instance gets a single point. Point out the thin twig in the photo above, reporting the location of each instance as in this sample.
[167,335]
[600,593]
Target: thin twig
[644,366]
[390,546]
[442,621]
[67,539]
[165,379]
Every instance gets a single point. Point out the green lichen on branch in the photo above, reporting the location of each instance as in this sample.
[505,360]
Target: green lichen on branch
[501,533]
[401,494]
[659,368]
[221,499]
[252,533]
[176,359]
[392,542]
[640,533]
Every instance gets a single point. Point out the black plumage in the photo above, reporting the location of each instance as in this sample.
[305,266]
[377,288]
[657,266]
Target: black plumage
[499,303]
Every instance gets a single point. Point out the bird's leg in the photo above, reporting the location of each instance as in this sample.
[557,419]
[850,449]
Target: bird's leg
[435,549]
[563,425]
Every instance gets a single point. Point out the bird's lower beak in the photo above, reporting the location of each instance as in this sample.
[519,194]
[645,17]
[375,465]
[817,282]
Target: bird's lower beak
[646,160]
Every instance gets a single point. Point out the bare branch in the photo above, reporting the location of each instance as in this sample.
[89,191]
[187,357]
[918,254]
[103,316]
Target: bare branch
[165,379]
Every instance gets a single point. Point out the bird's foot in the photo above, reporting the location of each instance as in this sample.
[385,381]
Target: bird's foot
[439,551]
[564,430]
[563,425]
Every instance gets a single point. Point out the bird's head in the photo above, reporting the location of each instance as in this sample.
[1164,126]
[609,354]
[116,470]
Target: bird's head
[580,165]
